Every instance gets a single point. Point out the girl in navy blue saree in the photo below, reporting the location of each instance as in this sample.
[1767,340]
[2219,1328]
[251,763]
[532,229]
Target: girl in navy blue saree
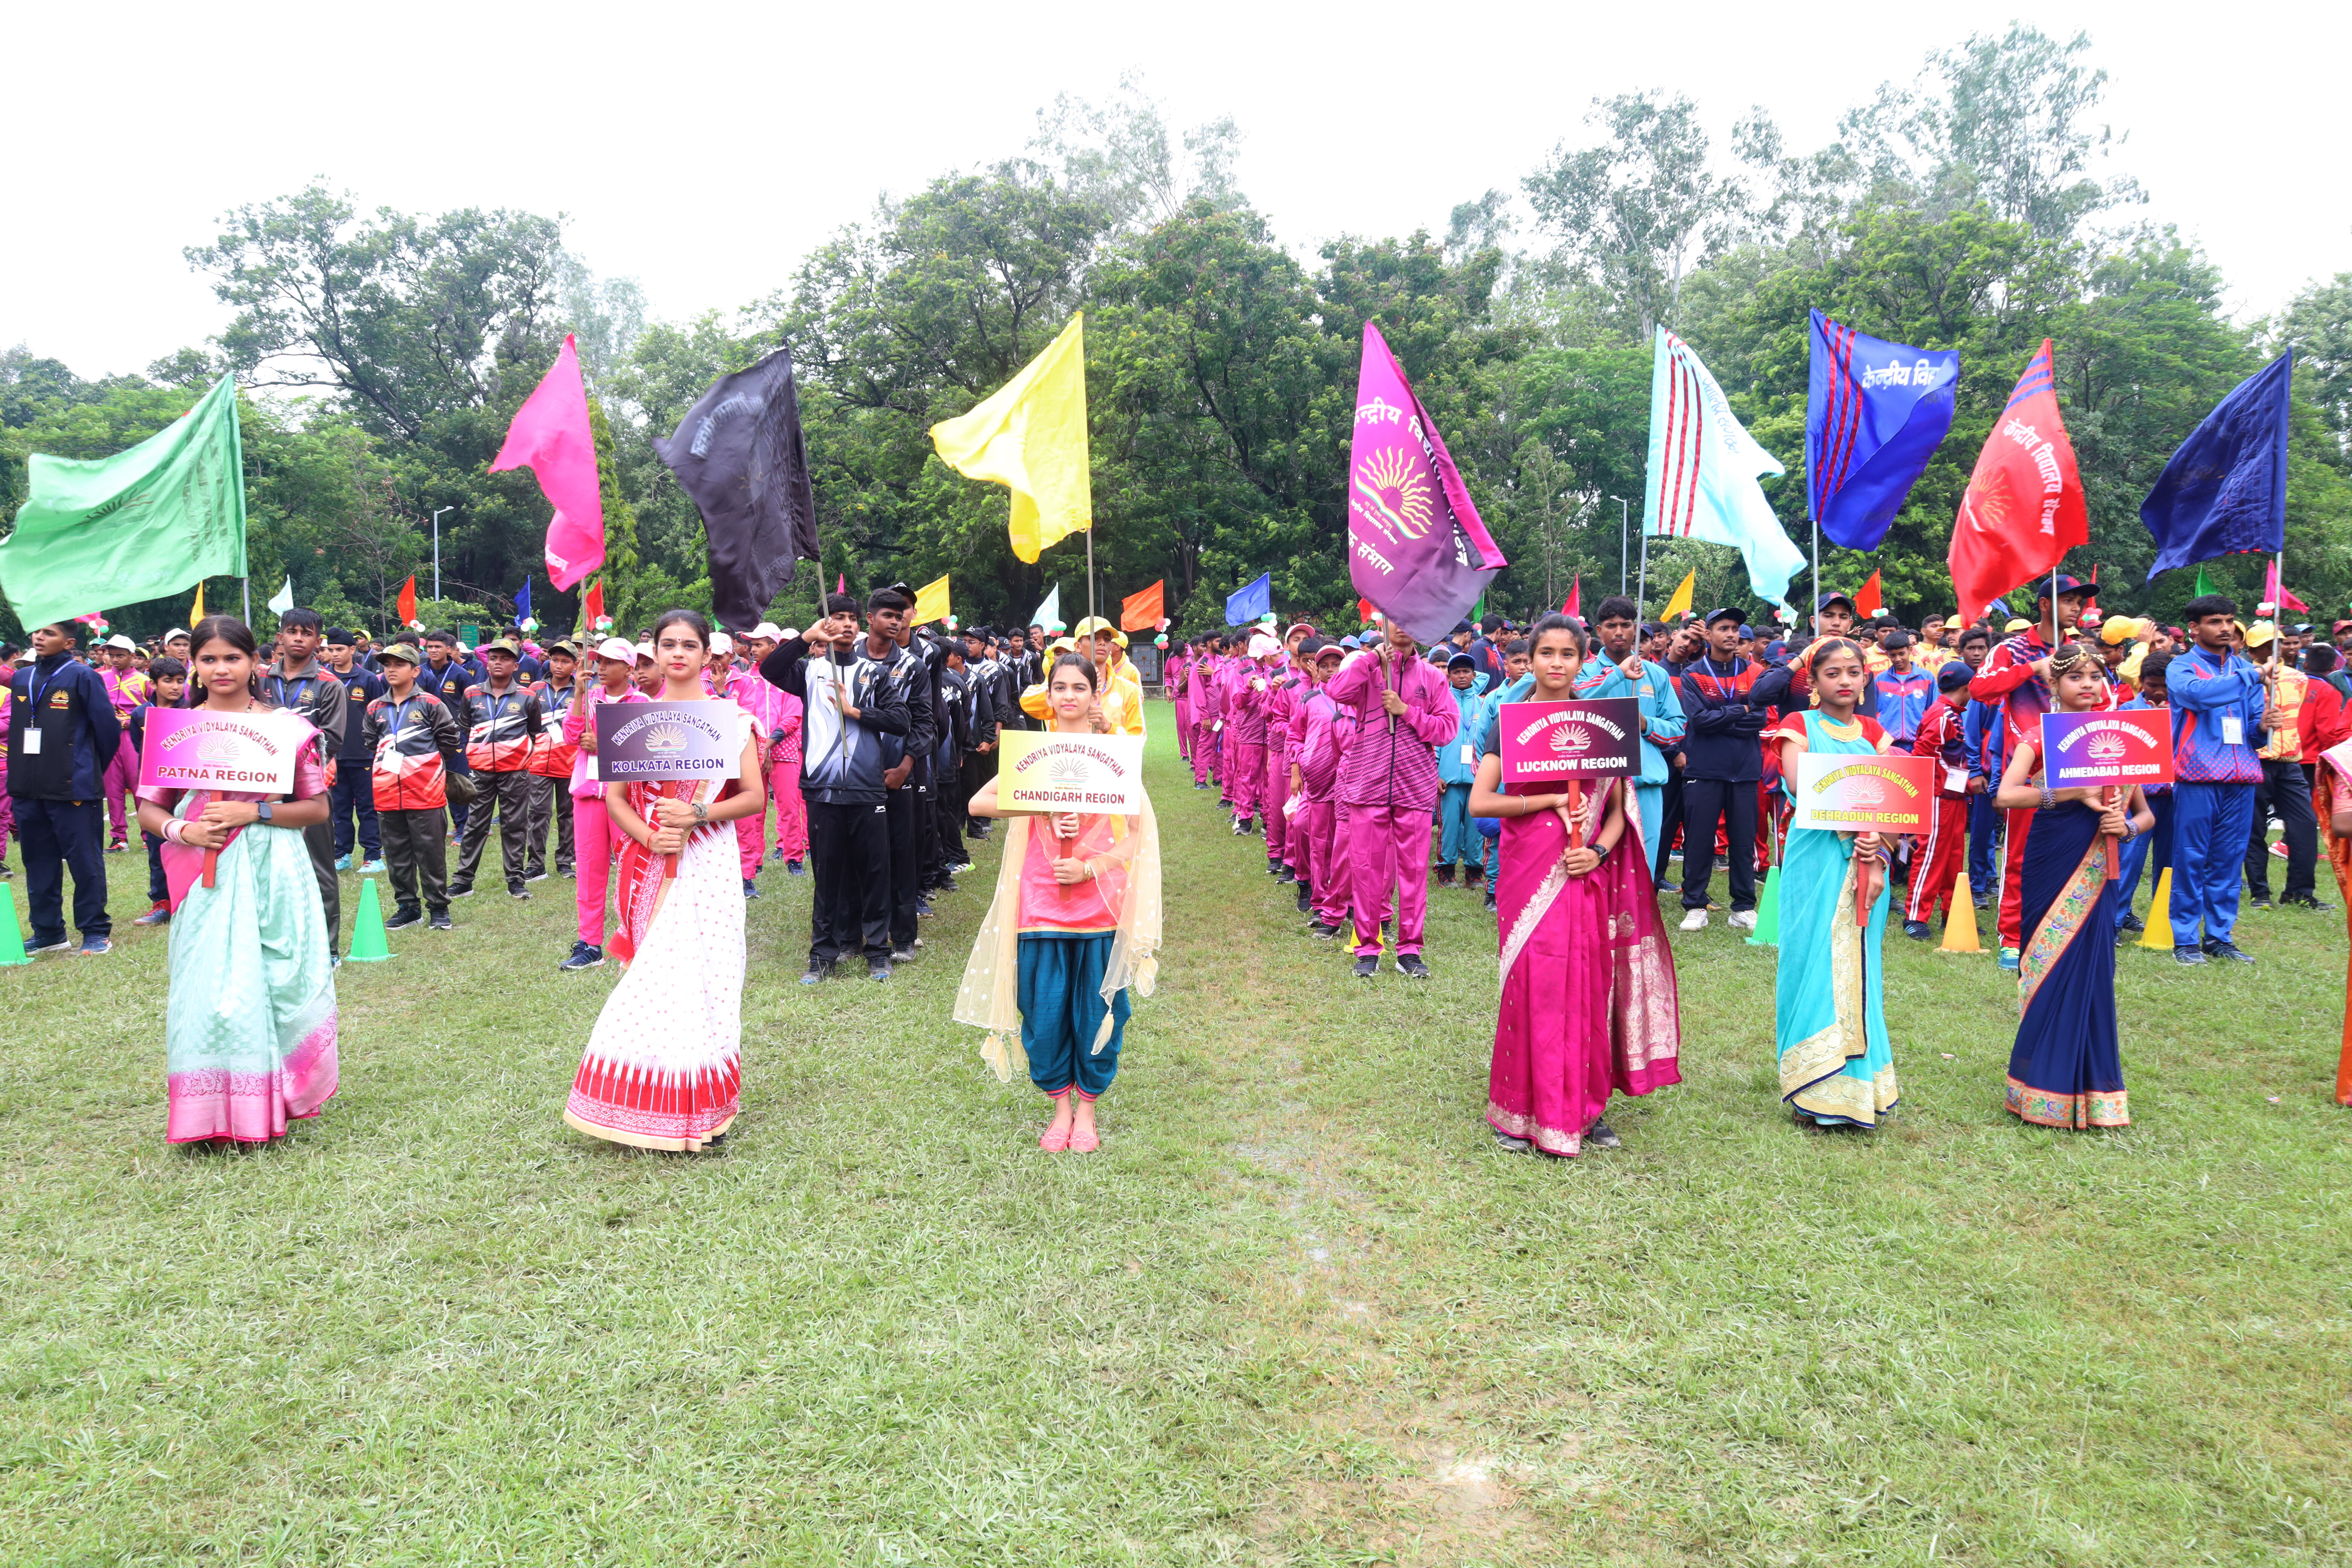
[2067,1068]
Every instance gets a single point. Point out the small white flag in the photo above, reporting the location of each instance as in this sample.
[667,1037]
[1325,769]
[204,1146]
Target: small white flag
[1049,613]
[284,599]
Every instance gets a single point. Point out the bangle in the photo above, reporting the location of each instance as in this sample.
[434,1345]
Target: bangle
[2048,800]
[177,831]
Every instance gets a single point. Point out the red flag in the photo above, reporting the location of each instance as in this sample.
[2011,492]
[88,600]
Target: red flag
[404,609]
[1867,600]
[2274,591]
[1141,612]
[2023,509]
[550,437]
[1575,596]
[1364,609]
[592,609]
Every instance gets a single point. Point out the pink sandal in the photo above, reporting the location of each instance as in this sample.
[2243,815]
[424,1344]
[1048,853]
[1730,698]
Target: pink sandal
[1053,1140]
[1084,1140]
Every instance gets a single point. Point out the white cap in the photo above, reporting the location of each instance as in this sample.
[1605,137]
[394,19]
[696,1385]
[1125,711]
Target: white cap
[722,644]
[175,632]
[769,630]
[1261,646]
[125,643]
[787,635]
[621,648]
[645,650]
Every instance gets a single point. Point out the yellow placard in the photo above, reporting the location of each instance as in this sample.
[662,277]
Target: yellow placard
[1039,771]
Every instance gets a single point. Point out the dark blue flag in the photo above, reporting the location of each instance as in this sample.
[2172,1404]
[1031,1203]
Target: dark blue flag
[1875,414]
[1250,601]
[740,453]
[523,602]
[2225,490]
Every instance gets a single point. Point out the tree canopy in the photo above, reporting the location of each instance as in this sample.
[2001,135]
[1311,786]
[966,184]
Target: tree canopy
[1973,208]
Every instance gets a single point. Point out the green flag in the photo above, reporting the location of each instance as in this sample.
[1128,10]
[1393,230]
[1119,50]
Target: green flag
[2204,586]
[145,522]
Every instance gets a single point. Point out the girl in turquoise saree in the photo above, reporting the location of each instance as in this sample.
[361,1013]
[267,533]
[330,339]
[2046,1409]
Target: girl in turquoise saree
[249,1028]
[1836,1067]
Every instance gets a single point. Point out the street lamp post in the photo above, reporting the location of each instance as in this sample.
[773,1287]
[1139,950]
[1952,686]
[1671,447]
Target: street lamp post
[1623,548]
[437,550]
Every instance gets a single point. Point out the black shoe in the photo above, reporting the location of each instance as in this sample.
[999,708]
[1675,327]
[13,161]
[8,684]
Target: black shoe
[947,884]
[1984,900]
[1367,966]
[2258,901]
[1411,966]
[1306,898]
[2306,901]
[750,889]
[404,917]
[1511,1145]
[878,969]
[1445,876]
[2184,953]
[2133,923]
[1200,783]
[795,868]
[1491,907]
[1249,825]
[1917,931]
[461,889]
[1286,875]
[515,889]
[584,956]
[441,921]
[1322,933]
[902,955]
[1238,828]
[1600,1135]
[538,876]
[815,972]
[2215,949]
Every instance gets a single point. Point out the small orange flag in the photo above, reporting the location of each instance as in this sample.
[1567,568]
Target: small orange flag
[405,609]
[1867,600]
[1141,612]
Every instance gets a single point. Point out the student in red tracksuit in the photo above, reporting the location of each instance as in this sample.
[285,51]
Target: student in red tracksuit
[1935,866]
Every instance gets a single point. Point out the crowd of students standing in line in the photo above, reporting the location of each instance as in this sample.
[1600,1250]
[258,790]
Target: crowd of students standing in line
[1369,768]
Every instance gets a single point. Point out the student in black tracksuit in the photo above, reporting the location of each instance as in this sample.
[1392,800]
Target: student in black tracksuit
[852,743]
[62,733]
[1725,700]
[353,797]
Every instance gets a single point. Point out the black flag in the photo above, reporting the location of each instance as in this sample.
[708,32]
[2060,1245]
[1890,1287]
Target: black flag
[739,453]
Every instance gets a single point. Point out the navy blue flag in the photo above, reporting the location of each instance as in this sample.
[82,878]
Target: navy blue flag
[2225,490]
[522,601]
[1250,601]
[1875,414]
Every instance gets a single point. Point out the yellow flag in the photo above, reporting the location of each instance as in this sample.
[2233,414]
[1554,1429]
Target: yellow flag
[1680,603]
[1031,437]
[931,603]
[196,610]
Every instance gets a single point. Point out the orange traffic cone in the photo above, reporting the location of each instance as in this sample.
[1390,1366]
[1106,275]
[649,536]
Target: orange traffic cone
[1961,921]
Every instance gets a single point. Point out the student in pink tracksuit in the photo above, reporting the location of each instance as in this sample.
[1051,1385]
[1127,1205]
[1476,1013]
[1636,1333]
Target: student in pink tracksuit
[1315,733]
[1245,733]
[595,841]
[1283,688]
[1388,782]
[779,714]
[1201,684]
[1179,697]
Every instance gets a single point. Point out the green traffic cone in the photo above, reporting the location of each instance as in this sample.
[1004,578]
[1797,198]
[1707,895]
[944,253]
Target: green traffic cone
[367,929]
[12,941]
[1768,912]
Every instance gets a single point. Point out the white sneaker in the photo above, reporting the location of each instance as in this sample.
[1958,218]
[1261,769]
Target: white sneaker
[1693,919]
[1743,920]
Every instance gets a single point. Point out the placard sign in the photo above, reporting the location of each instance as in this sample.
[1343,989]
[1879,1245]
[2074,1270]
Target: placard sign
[194,748]
[646,740]
[1857,794]
[1041,771]
[2125,746]
[1555,742]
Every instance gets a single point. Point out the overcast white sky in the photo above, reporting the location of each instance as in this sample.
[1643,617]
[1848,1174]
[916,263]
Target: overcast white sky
[703,149]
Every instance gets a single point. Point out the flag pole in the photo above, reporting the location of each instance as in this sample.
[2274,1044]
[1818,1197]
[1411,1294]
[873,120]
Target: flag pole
[1641,583]
[1809,627]
[1090,570]
[245,583]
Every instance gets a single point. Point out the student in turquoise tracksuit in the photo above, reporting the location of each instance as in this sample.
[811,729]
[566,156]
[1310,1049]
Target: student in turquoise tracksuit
[1663,725]
[1499,688]
[1457,768]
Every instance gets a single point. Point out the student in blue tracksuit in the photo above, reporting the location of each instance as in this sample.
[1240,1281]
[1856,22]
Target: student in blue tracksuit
[2152,849]
[2218,710]
[1457,770]
[1984,736]
[1606,674]
[1489,828]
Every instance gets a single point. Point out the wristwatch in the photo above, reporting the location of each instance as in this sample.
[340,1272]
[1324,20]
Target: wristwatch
[262,811]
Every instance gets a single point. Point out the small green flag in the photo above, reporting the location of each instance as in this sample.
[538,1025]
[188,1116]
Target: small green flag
[142,523]
[2204,585]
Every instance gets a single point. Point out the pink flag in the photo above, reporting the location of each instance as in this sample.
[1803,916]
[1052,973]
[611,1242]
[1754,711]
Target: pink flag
[550,437]
[2274,591]
[1415,546]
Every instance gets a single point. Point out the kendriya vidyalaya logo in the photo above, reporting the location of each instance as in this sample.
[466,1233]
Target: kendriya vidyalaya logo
[2106,746]
[1394,490]
[665,739]
[1570,740]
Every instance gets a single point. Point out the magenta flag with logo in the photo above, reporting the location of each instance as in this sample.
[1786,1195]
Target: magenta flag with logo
[550,437]
[1415,546]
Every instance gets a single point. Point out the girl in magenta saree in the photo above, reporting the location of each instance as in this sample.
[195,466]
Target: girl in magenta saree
[1589,1003]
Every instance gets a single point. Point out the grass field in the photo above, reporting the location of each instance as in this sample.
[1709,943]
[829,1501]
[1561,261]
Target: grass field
[1298,1310]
